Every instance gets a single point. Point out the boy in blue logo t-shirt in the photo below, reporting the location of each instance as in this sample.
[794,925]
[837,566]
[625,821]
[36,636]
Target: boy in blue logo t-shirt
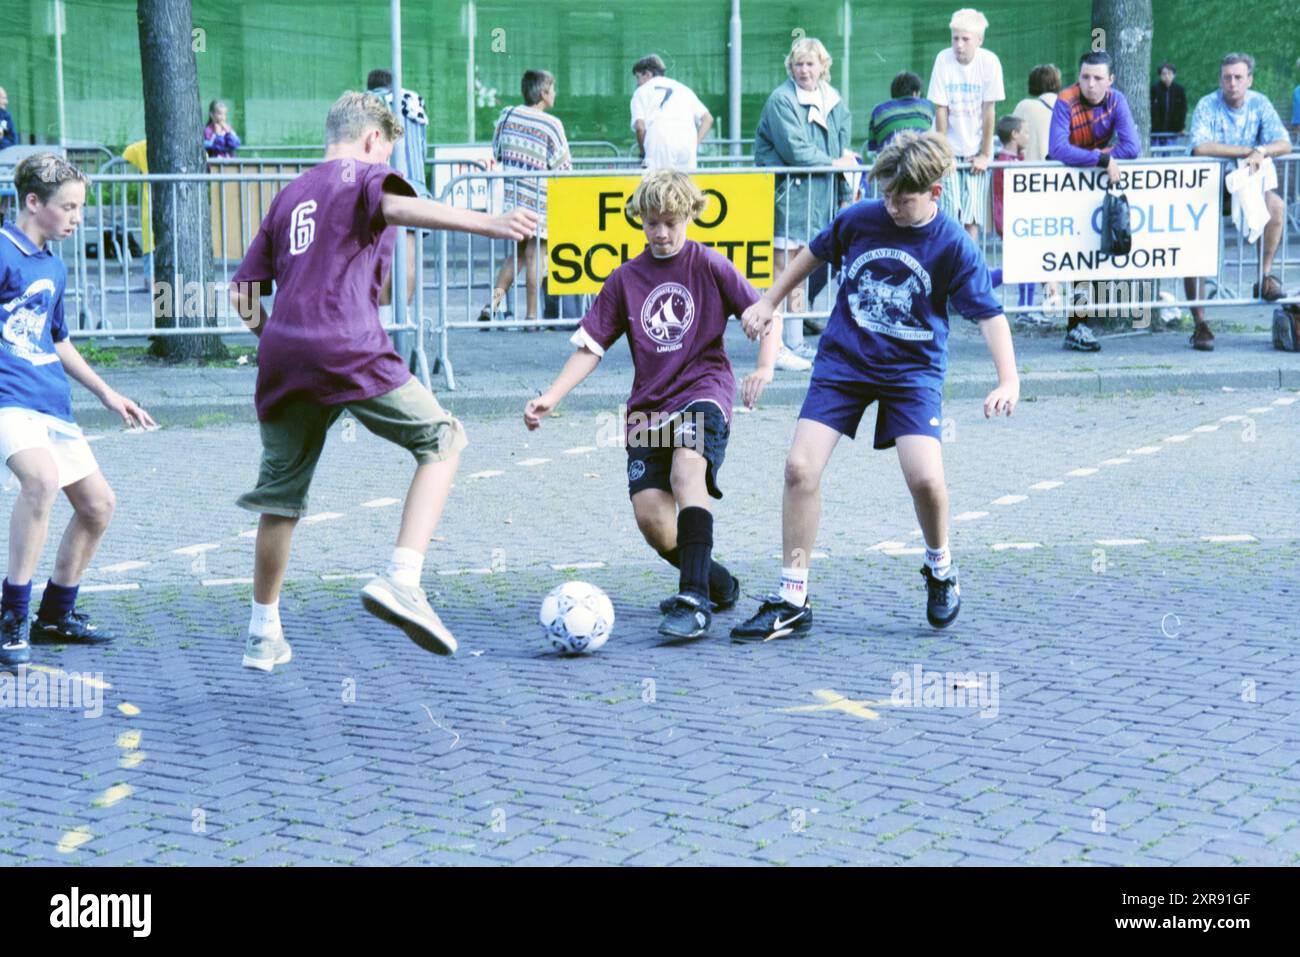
[40,444]
[886,342]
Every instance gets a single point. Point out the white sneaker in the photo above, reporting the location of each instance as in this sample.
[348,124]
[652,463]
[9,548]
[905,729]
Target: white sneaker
[788,361]
[265,653]
[409,610]
[806,350]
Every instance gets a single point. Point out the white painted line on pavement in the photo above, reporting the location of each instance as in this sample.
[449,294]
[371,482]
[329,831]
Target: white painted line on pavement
[464,571]
[1019,546]
[530,463]
[881,546]
[487,473]
[1118,542]
[1287,401]
[895,552]
[577,566]
[124,567]
[1206,428]
[1260,410]
[380,502]
[1080,473]
[1175,438]
[250,533]
[969,516]
[1046,486]
[346,576]
[1232,418]
[1118,461]
[196,549]
[123,586]
[218,582]
[1011,500]
[321,517]
[580,449]
[1145,450]
[1222,539]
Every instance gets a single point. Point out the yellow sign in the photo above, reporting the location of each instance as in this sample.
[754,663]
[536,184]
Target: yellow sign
[591,234]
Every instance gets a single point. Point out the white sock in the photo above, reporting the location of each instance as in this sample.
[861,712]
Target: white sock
[794,585]
[405,567]
[265,620]
[939,559]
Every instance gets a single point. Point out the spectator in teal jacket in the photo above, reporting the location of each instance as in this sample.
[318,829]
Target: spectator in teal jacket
[804,123]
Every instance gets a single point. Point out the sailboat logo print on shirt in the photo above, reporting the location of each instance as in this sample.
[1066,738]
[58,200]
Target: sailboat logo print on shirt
[666,315]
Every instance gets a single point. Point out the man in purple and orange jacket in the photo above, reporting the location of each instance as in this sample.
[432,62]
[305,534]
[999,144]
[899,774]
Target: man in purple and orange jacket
[1092,125]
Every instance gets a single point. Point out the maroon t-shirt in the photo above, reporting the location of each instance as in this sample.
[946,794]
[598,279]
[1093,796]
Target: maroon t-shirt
[674,312]
[325,243]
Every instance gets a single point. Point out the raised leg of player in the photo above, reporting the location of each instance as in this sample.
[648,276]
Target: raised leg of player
[801,505]
[30,522]
[271,557]
[93,503]
[921,458]
[425,500]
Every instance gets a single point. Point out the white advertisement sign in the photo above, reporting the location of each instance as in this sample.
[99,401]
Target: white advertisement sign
[452,161]
[1052,222]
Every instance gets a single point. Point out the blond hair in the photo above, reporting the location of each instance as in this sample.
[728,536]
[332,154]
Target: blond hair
[668,193]
[969,20]
[355,114]
[804,46]
[912,162]
[44,174]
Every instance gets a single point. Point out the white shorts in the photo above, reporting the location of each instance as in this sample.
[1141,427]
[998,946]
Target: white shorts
[21,430]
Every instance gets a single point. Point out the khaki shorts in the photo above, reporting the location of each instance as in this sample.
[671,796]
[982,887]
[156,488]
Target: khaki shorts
[294,437]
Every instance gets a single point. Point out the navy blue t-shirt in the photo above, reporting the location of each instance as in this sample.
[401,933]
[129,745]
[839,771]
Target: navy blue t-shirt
[889,326]
[31,313]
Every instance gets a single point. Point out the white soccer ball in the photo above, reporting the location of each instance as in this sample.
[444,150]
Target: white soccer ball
[577,617]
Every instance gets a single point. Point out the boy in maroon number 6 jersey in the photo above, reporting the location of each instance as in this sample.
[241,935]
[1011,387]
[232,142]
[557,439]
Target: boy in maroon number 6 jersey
[673,302]
[327,247]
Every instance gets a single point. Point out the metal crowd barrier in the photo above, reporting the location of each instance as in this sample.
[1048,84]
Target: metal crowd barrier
[469,265]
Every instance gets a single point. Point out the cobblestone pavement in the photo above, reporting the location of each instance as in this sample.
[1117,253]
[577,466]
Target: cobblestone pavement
[1127,684]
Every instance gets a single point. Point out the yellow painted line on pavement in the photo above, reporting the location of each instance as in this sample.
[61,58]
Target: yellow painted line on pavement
[60,673]
[832,700]
[132,759]
[71,840]
[129,740]
[114,795]
[128,709]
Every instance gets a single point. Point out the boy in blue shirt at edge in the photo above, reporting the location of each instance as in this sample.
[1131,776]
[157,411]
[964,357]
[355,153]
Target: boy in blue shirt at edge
[40,444]
[886,342]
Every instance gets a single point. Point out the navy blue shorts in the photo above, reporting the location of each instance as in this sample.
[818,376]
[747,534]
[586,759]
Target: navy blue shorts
[901,411]
[700,426]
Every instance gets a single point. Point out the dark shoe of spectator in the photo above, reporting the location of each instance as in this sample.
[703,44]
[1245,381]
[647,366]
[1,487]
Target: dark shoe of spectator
[811,327]
[1081,339]
[1202,339]
[1271,291]
[496,305]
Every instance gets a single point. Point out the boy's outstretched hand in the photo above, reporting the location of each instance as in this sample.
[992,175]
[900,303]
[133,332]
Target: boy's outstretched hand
[754,385]
[757,318]
[134,416]
[517,224]
[1002,399]
[536,410]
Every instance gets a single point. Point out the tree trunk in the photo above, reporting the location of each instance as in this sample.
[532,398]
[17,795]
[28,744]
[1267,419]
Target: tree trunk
[173,121]
[1126,27]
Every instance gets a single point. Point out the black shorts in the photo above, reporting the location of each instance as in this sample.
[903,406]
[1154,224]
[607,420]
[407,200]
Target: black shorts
[700,426]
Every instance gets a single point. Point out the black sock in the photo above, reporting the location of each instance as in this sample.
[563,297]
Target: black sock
[719,575]
[695,549]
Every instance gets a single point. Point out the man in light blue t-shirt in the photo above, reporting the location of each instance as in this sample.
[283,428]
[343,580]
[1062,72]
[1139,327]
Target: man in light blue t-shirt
[1236,123]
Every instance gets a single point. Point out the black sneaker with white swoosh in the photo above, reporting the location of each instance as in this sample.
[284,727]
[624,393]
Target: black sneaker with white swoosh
[776,618]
